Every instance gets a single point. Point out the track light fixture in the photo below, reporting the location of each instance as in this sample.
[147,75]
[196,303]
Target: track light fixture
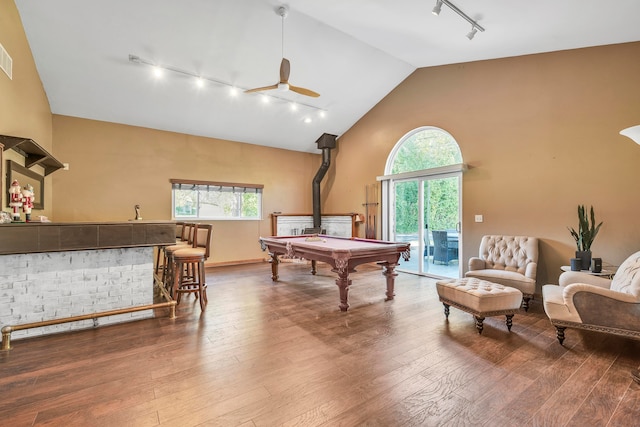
[438,7]
[200,81]
[474,25]
[472,33]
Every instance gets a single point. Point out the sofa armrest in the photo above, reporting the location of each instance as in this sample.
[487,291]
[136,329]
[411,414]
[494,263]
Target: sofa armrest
[604,309]
[570,290]
[476,263]
[569,277]
[530,270]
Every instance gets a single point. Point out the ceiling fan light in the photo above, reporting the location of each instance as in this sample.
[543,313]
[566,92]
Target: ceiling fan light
[283,87]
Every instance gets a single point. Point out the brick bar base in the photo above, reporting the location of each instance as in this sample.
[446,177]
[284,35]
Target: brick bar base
[42,286]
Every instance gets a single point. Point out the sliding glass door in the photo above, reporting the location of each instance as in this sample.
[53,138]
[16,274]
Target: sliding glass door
[425,211]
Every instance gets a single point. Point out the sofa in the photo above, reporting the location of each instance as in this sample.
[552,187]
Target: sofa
[507,260]
[584,301]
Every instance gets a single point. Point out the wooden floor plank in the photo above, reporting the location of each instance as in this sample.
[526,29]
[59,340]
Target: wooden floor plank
[266,354]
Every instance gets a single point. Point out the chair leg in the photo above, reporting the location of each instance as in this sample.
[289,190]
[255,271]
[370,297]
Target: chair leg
[525,303]
[202,286]
[178,277]
[446,310]
[560,333]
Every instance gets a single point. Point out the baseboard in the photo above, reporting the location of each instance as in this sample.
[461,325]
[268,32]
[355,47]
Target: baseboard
[228,263]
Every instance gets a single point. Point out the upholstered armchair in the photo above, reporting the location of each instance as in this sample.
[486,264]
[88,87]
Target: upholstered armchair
[508,260]
[583,301]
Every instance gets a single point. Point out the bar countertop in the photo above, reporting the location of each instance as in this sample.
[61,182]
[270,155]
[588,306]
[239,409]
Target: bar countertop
[35,237]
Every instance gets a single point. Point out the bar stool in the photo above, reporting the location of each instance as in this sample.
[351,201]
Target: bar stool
[186,241]
[160,249]
[188,266]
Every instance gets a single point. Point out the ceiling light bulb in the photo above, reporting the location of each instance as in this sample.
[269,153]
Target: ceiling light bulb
[233,91]
[157,71]
[200,82]
[307,119]
[265,99]
[322,114]
[438,7]
[294,106]
[472,33]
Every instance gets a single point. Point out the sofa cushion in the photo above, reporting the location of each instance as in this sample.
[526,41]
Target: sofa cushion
[627,278]
[509,253]
[506,278]
[555,306]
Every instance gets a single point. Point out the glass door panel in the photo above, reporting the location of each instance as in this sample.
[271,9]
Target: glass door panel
[441,218]
[406,227]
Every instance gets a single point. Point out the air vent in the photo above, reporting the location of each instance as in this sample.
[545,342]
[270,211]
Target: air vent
[6,63]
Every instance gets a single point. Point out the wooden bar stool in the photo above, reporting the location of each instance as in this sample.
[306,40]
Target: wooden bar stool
[186,241]
[160,249]
[188,266]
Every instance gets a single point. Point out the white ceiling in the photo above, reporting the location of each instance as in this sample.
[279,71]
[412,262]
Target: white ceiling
[352,52]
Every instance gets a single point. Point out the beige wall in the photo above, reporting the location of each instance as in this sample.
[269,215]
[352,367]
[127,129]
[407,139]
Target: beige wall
[540,136]
[113,167]
[24,107]
[539,133]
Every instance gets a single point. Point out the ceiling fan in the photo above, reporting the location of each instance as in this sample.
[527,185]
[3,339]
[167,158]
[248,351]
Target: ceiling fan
[285,69]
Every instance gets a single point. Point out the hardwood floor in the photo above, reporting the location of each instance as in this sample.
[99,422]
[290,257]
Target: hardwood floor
[270,355]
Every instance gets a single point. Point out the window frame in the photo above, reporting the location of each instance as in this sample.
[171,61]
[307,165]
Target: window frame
[199,185]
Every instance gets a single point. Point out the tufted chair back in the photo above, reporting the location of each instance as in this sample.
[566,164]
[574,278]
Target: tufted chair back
[510,253]
[627,278]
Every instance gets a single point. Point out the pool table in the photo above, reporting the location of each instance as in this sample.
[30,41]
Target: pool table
[343,254]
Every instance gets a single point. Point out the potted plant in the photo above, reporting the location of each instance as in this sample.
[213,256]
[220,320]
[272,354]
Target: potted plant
[586,234]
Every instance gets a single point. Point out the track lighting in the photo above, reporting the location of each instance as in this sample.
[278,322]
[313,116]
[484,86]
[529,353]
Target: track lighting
[474,25]
[436,10]
[472,33]
[159,71]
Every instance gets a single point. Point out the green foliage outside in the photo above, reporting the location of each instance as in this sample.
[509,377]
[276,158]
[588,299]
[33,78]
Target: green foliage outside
[425,150]
[216,204]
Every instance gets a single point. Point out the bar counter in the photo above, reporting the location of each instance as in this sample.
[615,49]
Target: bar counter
[35,237]
[53,273]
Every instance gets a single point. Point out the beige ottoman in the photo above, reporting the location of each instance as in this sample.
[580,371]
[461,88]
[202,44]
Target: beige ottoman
[480,298]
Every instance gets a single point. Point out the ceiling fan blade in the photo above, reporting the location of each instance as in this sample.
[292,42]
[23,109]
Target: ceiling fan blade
[285,70]
[258,89]
[303,91]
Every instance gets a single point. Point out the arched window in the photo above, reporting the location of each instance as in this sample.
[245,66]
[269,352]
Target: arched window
[423,148]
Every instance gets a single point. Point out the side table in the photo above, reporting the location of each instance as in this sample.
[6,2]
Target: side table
[608,273]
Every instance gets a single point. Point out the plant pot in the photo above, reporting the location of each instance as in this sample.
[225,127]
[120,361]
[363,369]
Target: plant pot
[585,259]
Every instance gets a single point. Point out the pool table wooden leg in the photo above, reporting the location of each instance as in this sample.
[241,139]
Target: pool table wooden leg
[390,274]
[274,267]
[343,283]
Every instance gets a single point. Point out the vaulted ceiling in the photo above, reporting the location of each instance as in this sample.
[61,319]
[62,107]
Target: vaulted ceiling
[351,52]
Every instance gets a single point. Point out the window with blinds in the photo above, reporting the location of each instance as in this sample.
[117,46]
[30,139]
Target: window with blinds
[216,200]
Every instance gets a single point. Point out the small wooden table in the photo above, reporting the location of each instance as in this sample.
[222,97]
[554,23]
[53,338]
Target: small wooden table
[343,254]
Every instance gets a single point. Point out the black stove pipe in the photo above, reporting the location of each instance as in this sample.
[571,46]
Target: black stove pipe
[326,142]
